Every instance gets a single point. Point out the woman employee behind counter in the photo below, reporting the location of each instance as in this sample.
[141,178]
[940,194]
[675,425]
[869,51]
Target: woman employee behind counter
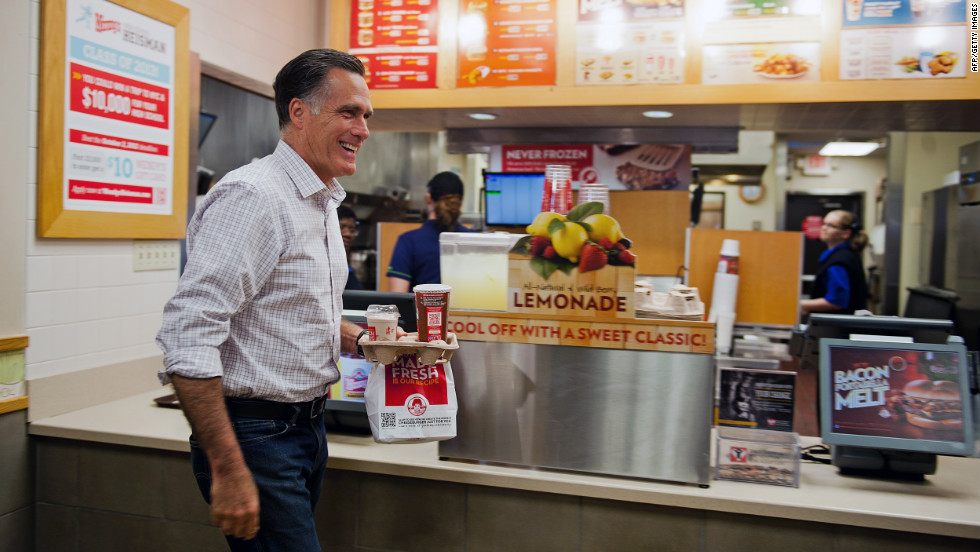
[839,286]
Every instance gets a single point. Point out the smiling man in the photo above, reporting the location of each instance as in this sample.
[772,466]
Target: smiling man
[252,336]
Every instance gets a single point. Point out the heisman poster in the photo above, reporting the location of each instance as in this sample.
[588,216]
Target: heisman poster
[119,110]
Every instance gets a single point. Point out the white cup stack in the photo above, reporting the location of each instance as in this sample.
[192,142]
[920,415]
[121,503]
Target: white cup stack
[723,296]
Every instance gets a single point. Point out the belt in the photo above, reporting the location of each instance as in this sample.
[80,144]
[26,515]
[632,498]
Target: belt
[272,410]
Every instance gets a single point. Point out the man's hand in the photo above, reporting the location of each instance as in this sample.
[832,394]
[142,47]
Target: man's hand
[235,503]
[234,496]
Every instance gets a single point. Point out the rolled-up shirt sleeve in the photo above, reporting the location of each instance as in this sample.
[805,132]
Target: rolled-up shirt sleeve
[234,243]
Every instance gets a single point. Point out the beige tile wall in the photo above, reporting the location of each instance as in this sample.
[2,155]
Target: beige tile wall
[110,498]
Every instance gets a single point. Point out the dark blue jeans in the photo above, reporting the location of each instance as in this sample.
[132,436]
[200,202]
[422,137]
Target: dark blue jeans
[288,463]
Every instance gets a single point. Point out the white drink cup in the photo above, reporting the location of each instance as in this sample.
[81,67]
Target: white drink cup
[382,321]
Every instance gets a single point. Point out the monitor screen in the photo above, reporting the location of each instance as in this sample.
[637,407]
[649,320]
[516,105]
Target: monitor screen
[512,199]
[896,396]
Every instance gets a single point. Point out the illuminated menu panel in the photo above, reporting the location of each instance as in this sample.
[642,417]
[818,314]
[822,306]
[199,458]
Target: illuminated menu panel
[397,40]
[639,42]
[507,43]
[903,39]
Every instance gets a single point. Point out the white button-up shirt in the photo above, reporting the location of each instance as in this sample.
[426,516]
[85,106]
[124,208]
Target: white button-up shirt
[260,299]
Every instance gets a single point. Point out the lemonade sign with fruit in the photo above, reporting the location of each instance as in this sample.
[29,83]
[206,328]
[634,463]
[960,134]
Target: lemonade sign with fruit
[574,264]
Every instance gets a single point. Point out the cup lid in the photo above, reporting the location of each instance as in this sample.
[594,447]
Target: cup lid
[729,248]
[432,288]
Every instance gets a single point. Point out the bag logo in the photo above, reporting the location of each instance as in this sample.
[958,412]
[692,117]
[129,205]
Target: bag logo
[738,454]
[416,404]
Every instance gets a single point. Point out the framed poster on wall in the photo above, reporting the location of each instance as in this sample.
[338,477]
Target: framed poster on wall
[113,119]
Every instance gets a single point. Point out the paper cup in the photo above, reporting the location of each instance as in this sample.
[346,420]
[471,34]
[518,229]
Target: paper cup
[382,321]
[432,311]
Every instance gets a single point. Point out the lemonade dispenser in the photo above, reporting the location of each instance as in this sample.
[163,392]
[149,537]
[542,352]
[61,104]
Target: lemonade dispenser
[475,265]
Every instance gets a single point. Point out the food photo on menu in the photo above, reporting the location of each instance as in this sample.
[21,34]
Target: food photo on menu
[896,393]
[757,63]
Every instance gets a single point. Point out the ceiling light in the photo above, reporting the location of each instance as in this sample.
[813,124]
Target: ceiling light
[482,116]
[849,148]
[658,114]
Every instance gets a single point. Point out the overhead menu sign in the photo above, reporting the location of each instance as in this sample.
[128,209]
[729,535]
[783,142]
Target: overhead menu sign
[119,110]
[507,43]
[639,42]
[397,40]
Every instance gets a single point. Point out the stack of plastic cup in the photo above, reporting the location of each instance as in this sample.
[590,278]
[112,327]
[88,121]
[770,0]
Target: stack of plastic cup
[723,296]
[557,195]
[594,192]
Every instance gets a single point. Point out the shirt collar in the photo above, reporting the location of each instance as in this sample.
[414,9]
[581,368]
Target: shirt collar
[827,253]
[306,181]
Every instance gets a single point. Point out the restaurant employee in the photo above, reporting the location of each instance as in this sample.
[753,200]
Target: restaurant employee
[839,286]
[415,259]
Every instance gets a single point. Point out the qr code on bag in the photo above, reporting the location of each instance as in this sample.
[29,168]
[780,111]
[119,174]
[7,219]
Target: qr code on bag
[388,419]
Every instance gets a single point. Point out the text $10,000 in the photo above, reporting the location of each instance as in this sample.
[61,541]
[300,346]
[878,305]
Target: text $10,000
[107,103]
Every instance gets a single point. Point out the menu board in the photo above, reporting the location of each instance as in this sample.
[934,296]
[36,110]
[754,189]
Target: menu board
[743,8]
[863,13]
[757,63]
[119,110]
[507,43]
[397,40]
[620,167]
[629,43]
[903,53]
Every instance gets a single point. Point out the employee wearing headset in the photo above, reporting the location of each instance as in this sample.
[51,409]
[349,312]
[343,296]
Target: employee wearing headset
[839,286]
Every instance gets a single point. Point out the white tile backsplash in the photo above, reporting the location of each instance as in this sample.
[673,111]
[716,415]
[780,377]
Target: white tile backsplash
[35,20]
[40,274]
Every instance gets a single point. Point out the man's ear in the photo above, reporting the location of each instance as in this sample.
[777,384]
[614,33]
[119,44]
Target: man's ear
[299,112]
[428,200]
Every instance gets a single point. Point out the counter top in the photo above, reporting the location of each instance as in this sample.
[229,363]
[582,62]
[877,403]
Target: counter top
[947,503]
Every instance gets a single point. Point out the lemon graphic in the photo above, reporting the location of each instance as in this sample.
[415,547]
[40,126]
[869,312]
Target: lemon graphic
[539,227]
[603,226]
[568,240]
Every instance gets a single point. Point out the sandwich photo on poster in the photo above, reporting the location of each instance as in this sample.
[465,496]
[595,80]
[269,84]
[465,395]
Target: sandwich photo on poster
[755,399]
[618,166]
[901,393]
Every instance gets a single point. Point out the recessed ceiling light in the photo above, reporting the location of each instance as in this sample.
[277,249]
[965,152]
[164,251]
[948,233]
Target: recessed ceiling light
[658,114]
[848,148]
[482,116]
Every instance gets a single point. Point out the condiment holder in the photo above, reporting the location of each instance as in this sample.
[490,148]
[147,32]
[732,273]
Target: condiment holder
[429,353]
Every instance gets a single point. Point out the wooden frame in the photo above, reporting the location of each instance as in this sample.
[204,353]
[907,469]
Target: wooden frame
[53,220]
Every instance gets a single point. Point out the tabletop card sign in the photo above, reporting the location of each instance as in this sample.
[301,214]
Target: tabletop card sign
[578,264]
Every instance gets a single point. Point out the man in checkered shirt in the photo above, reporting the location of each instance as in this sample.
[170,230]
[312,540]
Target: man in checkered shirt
[252,336]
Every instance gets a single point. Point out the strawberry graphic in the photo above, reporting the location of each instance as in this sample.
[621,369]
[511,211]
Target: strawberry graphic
[593,257]
[538,244]
[549,252]
[626,257]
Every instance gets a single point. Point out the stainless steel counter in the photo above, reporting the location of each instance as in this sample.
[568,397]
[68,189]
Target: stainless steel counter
[643,414]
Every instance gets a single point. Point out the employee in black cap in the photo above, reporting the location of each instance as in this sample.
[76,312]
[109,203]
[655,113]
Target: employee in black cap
[839,286]
[415,259]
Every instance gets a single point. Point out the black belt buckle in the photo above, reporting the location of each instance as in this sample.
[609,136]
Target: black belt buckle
[317,406]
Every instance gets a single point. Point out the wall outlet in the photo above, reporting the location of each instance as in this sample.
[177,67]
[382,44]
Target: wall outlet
[156,255]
